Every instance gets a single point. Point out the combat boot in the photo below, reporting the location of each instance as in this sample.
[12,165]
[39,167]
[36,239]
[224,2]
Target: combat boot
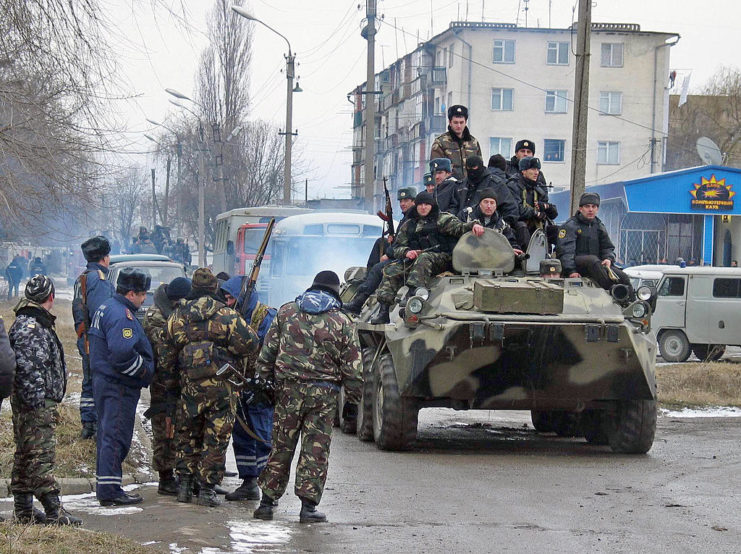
[55,513]
[356,304]
[89,430]
[383,315]
[24,512]
[265,509]
[248,490]
[207,496]
[168,485]
[185,488]
[309,513]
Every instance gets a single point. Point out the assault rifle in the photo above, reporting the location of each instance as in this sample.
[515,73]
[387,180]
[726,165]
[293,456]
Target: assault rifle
[250,282]
[388,216]
[254,386]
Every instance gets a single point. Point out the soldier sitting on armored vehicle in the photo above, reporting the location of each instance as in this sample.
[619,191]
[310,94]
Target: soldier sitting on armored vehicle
[426,241]
[481,178]
[585,248]
[532,197]
[487,214]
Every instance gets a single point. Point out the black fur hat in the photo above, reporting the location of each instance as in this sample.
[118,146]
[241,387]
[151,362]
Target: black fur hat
[96,248]
[457,110]
[132,279]
[328,282]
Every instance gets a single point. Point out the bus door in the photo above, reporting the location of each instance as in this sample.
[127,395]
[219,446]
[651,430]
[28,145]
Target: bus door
[249,238]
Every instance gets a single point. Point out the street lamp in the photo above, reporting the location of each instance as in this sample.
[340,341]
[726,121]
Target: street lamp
[201,179]
[290,59]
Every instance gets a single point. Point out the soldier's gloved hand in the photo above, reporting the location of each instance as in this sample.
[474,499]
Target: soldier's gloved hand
[540,215]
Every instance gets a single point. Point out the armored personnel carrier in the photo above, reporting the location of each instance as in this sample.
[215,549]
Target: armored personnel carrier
[494,337]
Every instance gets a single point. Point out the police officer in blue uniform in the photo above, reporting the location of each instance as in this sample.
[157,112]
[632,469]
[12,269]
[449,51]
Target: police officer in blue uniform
[122,364]
[92,288]
[252,432]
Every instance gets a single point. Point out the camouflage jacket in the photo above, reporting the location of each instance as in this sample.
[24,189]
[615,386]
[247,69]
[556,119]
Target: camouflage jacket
[457,150]
[312,340]
[155,327]
[205,333]
[437,229]
[41,373]
[7,363]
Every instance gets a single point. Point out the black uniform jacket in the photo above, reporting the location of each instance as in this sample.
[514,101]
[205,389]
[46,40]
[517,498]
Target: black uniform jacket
[580,237]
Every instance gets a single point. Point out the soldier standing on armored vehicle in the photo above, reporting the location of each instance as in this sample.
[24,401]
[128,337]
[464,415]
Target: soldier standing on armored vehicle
[206,334]
[163,401]
[532,197]
[487,214]
[585,248]
[310,351]
[427,240]
[92,288]
[480,178]
[457,144]
[375,274]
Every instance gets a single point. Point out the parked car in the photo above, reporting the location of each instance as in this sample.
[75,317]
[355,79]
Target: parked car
[160,268]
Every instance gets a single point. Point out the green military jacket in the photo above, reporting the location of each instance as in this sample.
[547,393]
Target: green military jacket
[312,347]
[155,327]
[419,233]
[456,150]
[206,333]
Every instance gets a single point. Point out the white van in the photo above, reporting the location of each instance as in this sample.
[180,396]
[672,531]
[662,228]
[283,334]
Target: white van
[646,275]
[698,309]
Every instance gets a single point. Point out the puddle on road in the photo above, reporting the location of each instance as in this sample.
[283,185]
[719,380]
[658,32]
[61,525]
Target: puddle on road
[247,536]
[87,503]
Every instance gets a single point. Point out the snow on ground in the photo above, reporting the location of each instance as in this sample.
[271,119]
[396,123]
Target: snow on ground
[713,411]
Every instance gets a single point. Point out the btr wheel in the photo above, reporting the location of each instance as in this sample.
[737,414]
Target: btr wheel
[633,427]
[347,413]
[674,346]
[365,408]
[594,427]
[542,420]
[394,417]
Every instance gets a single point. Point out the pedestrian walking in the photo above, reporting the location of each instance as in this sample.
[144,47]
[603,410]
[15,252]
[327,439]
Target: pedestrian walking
[206,334]
[310,351]
[92,288]
[39,386]
[122,364]
[165,387]
[14,274]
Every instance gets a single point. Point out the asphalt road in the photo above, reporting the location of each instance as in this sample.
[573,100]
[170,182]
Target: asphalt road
[479,482]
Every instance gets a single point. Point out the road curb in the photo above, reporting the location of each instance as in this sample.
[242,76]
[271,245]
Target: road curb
[83,485]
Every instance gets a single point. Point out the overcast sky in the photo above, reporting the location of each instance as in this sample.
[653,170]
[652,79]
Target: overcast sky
[325,34]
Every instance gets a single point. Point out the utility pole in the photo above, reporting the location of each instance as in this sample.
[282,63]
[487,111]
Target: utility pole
[581,98]
[164,216]
[201,199]
[154,201]
[289,134]
[369,34]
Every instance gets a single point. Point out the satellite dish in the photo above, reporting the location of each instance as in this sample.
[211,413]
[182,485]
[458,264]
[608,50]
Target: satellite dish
[709,151]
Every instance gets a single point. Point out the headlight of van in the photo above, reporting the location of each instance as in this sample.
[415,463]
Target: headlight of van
[643,293]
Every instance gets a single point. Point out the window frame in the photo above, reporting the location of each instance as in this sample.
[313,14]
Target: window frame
[607,144]
[499,151]
[503,46]
[502,95]
[666,286]
[563,150]
[555,96]
[557,50]
[737,284]
[611,62]
[608,95]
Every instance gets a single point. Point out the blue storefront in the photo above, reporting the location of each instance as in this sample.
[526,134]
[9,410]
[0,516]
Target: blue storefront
[687,213]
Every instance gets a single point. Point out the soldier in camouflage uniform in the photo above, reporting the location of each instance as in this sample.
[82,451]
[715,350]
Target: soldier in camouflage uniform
[206,334]
[162,407]
[457,144]
[426,229]
[310,351]
[40,383]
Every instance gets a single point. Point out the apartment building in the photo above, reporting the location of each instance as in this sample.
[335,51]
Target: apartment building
[519,83]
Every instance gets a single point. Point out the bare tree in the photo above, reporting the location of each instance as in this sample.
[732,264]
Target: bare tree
[124,197]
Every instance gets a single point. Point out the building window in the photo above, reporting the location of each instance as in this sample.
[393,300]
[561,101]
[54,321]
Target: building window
[612,54]
[611,102]
[501,99]
[555,101]
[500,145]
[558,53]
[450,56]
[504,51]
[553,150]
[608,152]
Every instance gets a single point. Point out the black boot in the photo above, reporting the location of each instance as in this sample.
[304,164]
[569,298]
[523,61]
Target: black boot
[248,490]
[55,513]
[207,496]
[168,484]
[309,513]
[185,488]
[356,304]
[383,315]
[89,430]
[24,510]
[265,509]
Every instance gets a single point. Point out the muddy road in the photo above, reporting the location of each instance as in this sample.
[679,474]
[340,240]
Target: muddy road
[480,482]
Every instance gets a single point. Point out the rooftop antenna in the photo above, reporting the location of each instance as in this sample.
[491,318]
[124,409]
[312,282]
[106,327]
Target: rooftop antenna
[483,2]
[709,151]
[431,26]
[526,10]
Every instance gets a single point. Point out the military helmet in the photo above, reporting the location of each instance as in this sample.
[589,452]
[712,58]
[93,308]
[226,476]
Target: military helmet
[39,288]
[96,248]
[131,279]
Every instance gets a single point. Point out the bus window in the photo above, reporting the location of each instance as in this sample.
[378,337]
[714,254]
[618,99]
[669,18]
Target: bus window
[371,231]
[253,240]
[343,229]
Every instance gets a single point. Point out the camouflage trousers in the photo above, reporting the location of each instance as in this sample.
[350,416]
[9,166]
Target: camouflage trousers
[204,418]
[33,464]
[306,409]
[163,447]
[414,274]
